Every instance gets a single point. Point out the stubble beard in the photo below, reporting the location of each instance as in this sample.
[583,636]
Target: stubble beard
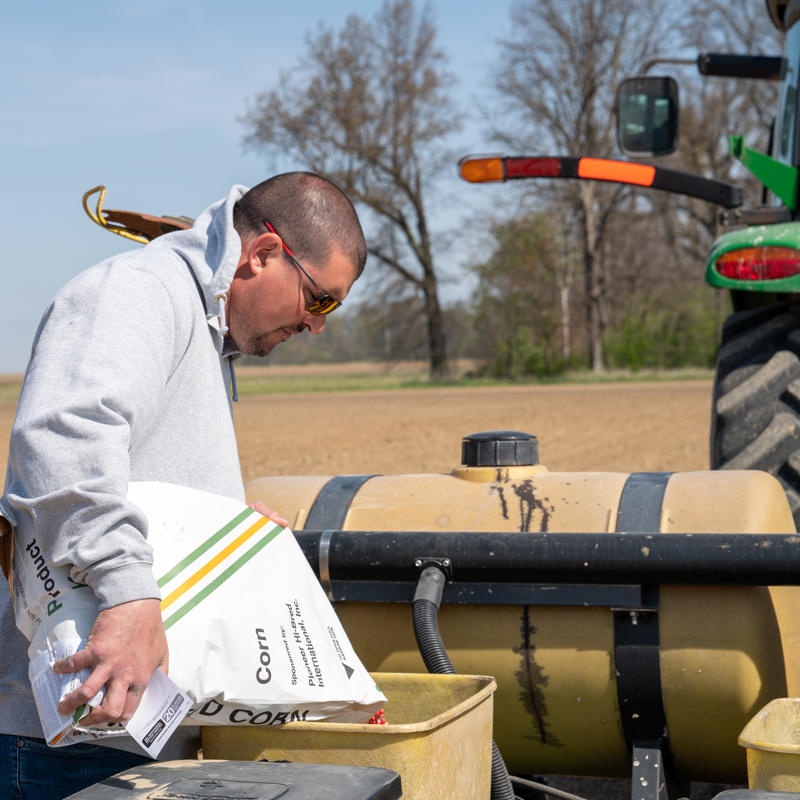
[263,344]
[243,326]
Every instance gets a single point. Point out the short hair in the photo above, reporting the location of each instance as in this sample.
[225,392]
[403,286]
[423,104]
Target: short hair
[312,216]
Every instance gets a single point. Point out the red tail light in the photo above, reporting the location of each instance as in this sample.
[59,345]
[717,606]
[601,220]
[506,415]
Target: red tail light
[533,167]
[759,263]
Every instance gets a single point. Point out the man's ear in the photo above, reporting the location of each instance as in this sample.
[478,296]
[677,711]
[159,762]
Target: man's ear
[262,250]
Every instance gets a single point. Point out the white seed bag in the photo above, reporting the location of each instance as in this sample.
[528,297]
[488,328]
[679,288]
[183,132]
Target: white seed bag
[252,638]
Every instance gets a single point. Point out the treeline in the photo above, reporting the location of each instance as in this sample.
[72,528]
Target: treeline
[514,331]
[583,273]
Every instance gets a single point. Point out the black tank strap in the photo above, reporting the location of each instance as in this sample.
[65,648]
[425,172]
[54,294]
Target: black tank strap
[637,655]
[640,505]
[330,508]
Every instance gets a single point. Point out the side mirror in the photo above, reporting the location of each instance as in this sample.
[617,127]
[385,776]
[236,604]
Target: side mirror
[647,116]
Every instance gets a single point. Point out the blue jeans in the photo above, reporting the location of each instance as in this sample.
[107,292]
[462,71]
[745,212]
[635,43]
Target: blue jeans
[30,770]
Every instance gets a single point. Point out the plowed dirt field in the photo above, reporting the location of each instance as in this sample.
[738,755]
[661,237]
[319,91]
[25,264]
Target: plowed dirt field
[616,427]
[625,427]
[621,427]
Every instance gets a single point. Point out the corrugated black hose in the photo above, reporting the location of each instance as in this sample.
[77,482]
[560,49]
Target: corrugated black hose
[425,610]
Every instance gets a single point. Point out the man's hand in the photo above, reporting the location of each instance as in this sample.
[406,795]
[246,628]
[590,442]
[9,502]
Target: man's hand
[269,513]
[125,646]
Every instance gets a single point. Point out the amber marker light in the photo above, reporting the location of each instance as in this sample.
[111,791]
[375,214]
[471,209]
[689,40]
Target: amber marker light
[759,263]
[482,170]
[601,169]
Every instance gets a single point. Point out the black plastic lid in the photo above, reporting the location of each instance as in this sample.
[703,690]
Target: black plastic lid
[500,449]
[253,779]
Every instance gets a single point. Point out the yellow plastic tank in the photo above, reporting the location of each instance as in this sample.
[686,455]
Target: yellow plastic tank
[724,651]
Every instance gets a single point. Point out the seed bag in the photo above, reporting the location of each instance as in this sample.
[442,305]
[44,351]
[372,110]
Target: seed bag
[252,638]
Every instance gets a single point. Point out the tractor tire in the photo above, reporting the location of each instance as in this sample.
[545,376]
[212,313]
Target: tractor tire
[755,418]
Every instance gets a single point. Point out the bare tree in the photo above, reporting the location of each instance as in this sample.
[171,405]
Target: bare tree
[519,300]
[561,256]
[711,25]
[369,109]
[557,76]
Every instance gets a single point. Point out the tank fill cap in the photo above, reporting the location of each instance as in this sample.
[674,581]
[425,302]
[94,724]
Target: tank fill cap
[500,449]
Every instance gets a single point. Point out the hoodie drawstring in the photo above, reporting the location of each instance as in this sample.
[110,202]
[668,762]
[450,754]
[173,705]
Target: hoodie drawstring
[233,381]
[223,323]
[223,329]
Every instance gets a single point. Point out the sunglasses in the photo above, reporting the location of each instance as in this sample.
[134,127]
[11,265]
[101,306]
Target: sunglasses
[325,304]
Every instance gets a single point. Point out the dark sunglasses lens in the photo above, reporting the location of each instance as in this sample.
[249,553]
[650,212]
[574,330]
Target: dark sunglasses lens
[324,306]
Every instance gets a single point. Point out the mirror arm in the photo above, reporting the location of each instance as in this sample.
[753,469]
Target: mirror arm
[655,61]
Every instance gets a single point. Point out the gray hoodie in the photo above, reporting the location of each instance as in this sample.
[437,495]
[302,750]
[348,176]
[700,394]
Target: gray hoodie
[127,382]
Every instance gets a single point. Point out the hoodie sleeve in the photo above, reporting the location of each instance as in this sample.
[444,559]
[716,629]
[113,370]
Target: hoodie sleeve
[102,355]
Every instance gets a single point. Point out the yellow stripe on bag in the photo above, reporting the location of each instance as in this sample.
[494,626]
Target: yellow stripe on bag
[218,559]
[204,547]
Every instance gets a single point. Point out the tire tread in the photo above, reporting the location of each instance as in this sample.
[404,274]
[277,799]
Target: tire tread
[756,404]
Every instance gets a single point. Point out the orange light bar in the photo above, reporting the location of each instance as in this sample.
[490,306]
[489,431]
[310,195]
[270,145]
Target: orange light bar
[600,169]
[481,170]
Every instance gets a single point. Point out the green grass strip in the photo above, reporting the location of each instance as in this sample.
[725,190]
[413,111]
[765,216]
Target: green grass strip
[204,547]
[220,579]
[306,384]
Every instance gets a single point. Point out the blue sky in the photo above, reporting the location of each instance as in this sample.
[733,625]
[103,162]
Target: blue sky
[143,95]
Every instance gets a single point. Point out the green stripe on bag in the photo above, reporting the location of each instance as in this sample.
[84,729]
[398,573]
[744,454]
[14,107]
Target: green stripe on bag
[204,547]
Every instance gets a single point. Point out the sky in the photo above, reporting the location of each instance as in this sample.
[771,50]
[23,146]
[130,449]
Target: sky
[143,96]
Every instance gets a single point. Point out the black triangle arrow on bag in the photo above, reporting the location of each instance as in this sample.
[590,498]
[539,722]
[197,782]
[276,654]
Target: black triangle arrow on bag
[348,670]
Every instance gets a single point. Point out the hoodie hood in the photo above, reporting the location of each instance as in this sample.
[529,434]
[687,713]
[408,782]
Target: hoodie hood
[211,247]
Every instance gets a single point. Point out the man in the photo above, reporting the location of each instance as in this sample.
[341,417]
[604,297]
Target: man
[129,380]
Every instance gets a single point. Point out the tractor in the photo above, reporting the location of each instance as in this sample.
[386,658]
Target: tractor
[755,415]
